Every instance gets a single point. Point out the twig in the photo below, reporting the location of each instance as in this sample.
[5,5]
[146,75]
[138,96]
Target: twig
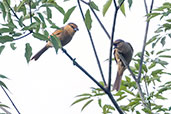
[83,70]
[146,87]
[93,46]
[94,80]
[24,35]
[145,38]
[101,24]
[13,11]
[136,80]
[10,100]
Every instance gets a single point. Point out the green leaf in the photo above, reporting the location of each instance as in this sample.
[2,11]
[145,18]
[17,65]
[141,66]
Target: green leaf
[68,14]
[122,8]
[100,102]
[40,36]
[152,39]
[12,45]
[5,30]
[121,97]
[152,65]
[2,76]
[144,68]
[1,48]
[41,17]
[6,38]
[86,104]
[160,97]
[3,10]
[28,52]
[106,6]
[165,56]
[84,94]
[60,9]
[49,12]
[56,42]
[130,3]
[165,50]
[79,100]
[3,84]
[163,41]
[88,20]
[94,6]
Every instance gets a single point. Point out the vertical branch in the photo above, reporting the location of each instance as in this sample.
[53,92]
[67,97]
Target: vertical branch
[145,38]
[93,46]
[111,42]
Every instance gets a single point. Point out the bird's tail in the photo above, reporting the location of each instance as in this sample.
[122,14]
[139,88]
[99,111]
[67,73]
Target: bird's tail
[38,54]
[116,85]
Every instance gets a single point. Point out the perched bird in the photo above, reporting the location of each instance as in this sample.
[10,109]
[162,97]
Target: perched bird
[125,49]
[64,34]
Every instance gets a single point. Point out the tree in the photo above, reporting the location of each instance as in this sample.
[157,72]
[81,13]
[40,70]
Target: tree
[146,70]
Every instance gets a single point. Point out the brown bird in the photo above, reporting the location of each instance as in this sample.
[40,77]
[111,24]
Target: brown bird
[125,49]
[64,34]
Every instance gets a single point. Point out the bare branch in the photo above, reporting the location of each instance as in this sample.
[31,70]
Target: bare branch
[93,46]
[145,38]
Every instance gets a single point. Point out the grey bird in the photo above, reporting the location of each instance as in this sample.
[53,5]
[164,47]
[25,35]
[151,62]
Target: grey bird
[125,49]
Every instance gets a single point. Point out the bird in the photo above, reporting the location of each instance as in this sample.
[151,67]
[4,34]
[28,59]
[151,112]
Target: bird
[64,34]
[126,50]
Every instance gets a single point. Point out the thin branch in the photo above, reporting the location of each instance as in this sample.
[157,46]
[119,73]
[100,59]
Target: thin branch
[111,45]
[101,24]
[10,100]
[93,46]
[24,35]
[136,80]
[13,11]
[94,80]
[145,39]
[83,70]
[146,87]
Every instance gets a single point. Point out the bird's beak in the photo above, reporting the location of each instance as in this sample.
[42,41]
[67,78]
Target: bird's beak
[76,29]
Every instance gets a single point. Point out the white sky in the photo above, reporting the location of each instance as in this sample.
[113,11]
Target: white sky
[49,85]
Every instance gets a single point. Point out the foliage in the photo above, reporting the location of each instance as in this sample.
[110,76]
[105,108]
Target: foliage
[32,17]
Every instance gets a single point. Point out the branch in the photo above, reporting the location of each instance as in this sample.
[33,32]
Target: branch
[13,11]
[111,44]
[101,24]
[136,80]
[10,100]
[94,80]
[145,38]
[83,70]
[92,43]
[24,35]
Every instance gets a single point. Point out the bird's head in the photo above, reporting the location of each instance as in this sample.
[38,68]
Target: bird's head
[118,41]
[71,28]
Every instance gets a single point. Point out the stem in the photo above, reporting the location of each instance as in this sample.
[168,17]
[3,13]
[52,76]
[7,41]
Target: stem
[24,35]
[145,38]
[10,100]
[101,24]
[93,46]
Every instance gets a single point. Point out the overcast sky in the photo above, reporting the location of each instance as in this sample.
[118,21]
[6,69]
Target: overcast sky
[49,85]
